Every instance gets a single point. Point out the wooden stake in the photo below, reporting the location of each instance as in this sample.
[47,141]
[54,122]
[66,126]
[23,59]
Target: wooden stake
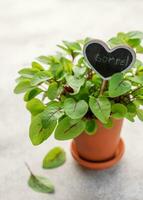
[103,86]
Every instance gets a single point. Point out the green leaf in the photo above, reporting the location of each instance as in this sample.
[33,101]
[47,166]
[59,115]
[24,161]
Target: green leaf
[69,128]
[131,112]
[87,39]
[40,77]
[122,36]
[139,49]
[72,45]
[136,79]
[138,63]
[101,108]
[54,158]
[28,72]
[40,184]
[118,111]
[37,132]
[51,113]
[118,86]
[64,48]
[138,102]
[135,34]
[115,41]
[91,127]
[67,64]
[132,39]
[79,71]
[140,114]
[97,81]
[35,106]
[75,83]
[140,97]
[138,91]
[130,116]
[37,66]
[22,86]
[83,94]
[134,42]
[131,107]
[21,78]
[109,124]
[57,71]
[81,61]
[75,110]
[52,91]
[30,94]
[48,59]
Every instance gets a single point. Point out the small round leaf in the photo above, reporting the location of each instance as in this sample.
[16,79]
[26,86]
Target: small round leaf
[37,132]
[35,106]
[91,127]
[69,128]
[22,86]
[52,91]
[75,110]
[54,158]
[118,111]
[101,108]
[30,94]
[118,86]
[40,184]
[140,114]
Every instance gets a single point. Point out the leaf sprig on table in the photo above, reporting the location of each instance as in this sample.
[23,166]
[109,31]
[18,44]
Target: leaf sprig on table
[62,92]
[39,183]
[53,159]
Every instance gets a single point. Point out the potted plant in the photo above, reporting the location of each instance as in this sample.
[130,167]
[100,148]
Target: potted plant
[68,99]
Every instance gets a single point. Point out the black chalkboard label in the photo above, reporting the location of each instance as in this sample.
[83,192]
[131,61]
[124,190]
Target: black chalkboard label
[107,62]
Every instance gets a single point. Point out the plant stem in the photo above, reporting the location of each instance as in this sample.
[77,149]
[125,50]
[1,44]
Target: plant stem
[89,74]
[72,55]
[136,89]
[130,93]
[103,86]
[43,97]
[26,164]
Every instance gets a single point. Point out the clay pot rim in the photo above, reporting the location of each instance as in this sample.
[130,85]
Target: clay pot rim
[99,165]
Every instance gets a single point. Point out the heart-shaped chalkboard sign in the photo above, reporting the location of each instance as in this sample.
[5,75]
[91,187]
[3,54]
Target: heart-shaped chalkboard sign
[107,62]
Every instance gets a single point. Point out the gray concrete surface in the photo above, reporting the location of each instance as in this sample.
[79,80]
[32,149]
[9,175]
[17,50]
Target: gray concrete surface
[29,28]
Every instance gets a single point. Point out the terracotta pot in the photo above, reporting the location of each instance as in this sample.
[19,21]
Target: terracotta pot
[100,146]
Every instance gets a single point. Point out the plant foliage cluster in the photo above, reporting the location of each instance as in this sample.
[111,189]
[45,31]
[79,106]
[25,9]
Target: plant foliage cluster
[63,96]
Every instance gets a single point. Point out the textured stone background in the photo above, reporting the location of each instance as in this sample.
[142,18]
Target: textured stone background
[29,28]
